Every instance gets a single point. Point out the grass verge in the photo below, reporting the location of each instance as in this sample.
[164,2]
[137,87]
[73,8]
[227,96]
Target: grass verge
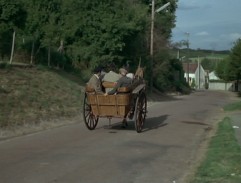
[233,107]
[223,159]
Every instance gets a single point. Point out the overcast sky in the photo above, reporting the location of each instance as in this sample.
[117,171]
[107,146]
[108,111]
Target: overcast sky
[211,24]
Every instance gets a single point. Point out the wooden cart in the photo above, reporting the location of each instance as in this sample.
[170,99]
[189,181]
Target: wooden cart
[115,106]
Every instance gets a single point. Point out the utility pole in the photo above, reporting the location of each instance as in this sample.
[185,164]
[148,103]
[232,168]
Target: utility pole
[187,34]
[199,75]
[153,11]
[151,46]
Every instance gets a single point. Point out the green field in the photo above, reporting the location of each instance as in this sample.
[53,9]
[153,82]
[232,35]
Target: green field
[194,54]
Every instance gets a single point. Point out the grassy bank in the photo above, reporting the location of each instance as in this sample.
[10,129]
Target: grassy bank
[31,95]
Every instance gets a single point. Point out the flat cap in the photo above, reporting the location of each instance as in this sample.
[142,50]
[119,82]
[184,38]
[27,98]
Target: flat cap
[123,71]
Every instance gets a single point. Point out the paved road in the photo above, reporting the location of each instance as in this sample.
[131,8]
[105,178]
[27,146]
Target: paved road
[163,153]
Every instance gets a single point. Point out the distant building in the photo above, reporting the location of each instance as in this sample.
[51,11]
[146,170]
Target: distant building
[212,76]
[197,75]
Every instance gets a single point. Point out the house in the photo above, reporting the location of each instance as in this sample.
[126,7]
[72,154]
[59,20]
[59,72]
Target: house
[212,76]
[197,75]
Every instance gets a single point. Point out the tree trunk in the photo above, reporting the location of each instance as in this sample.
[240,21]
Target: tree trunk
[32,53]
[237,89]
[49,57]
[61,51]
[12,52]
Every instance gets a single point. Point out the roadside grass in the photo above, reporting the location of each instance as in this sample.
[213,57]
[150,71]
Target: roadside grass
[222,163]
[233,107]
[32,95]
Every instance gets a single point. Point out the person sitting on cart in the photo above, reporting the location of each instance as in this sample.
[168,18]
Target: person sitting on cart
[111,76]
[124,81]
[95,81]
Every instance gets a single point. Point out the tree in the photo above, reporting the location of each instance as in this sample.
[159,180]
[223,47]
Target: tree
[89,32]
[100,32]
[222,69]
[229,69]
[208,64]
[12,18]
[42,27]
[235,62]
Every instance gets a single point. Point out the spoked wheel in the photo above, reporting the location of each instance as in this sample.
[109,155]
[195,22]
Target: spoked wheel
[140,112]
[89,118]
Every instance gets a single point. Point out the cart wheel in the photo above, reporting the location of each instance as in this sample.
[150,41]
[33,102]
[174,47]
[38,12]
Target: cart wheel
[140,112]
[89,119]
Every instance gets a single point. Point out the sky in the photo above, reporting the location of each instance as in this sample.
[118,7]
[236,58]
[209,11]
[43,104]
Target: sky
[208,24]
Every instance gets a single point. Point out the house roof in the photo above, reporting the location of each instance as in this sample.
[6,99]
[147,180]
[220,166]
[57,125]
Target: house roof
[192,67]
[212,75]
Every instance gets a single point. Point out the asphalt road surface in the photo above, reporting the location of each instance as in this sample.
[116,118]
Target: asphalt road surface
[165,152]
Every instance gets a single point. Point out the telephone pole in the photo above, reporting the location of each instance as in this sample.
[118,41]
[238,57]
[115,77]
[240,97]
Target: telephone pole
[151,43]
[187,34]
[153,11]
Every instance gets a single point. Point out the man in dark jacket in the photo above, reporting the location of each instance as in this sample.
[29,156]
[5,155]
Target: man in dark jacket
[124,81]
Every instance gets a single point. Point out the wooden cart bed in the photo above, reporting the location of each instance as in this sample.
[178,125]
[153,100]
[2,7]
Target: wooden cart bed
[110,105]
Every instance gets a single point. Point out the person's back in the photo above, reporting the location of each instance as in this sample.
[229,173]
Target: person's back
[124,81]
[111,76]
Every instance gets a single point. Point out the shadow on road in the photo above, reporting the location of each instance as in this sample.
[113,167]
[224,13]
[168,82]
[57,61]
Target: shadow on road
[159,97]
[150,124]
[155,123]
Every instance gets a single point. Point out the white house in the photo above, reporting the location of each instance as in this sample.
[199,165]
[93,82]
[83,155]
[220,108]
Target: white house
[212,76]
[197,74]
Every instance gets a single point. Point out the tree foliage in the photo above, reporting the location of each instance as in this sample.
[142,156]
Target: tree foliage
[223,69]
[83,34]
[12,17]
[208,64]
[230,68]
[235,61]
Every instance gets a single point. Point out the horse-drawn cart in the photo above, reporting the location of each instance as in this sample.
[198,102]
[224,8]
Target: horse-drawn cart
[120,105]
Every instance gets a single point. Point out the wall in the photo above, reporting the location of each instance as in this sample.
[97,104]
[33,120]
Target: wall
[221,86]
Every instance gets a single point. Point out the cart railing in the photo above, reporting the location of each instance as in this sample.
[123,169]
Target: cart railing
[117,105]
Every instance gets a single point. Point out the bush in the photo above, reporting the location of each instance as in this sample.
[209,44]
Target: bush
[4,65]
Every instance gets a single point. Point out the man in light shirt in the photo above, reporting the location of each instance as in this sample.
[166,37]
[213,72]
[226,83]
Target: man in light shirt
[95,82]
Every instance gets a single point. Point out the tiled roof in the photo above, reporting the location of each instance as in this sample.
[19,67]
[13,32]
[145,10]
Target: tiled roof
[192,67]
